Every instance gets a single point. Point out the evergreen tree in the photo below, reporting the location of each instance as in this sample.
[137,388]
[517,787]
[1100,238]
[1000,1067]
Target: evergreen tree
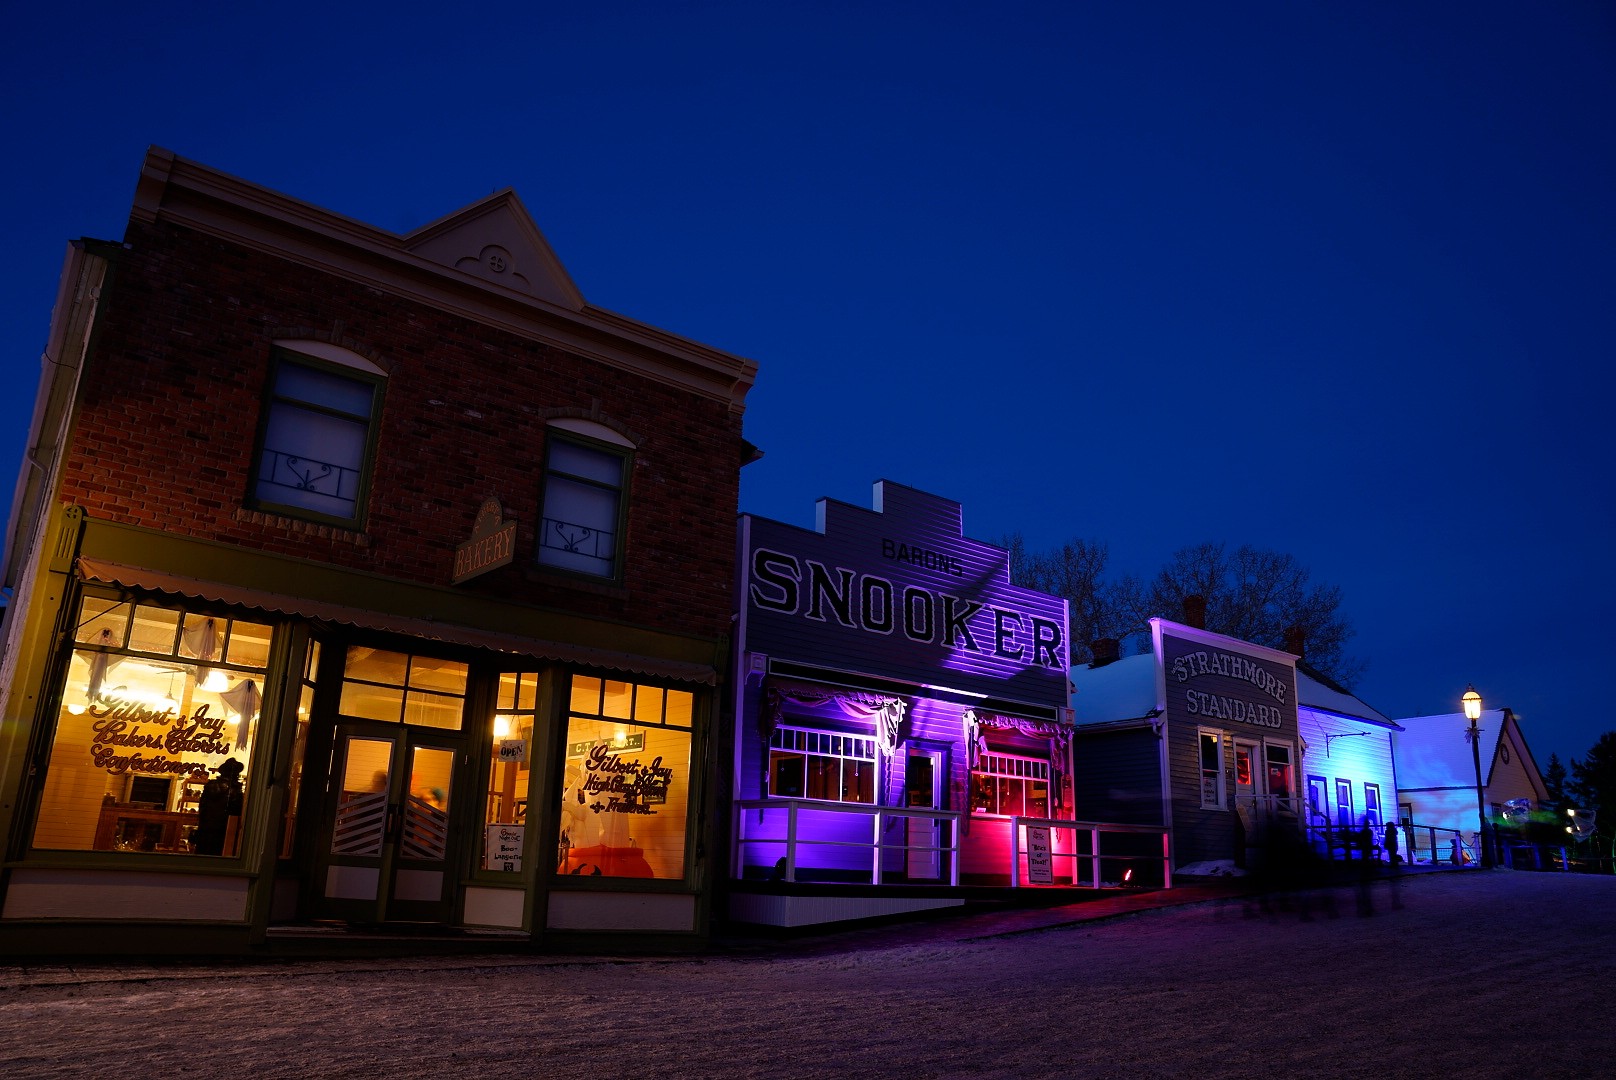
[1554,781]
[1593,782]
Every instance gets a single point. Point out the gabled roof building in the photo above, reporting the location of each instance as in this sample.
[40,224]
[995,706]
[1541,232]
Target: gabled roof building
[1224,741]
[1436,771]
[360,579]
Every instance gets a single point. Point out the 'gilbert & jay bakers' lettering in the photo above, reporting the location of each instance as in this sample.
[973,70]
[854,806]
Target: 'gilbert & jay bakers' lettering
[783,583]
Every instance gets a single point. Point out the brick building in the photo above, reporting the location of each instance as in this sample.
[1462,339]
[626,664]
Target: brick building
[358,579]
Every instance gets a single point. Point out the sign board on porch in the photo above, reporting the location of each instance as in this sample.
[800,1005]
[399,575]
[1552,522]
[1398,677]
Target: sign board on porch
[1040,864]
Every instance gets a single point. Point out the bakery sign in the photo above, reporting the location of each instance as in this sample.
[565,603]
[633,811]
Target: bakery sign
[492,544]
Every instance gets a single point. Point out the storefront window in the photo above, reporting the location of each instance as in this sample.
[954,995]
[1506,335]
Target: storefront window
[1010,785]
[828,765]
[505,817]
[154,731]
[626,782]
[300,740]
[401,688]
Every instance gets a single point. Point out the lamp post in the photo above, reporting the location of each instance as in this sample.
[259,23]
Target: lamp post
[1472,710]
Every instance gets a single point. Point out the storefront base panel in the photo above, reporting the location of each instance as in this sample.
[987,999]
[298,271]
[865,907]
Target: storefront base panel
[664,912]
[117,895]
[121,942]
[495,907]
[284,901]
[790,911]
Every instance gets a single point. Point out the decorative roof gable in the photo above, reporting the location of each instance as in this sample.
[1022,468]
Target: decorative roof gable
[487,262]
[495,239]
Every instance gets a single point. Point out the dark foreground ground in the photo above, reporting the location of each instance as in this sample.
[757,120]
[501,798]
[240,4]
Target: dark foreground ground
[1474,974]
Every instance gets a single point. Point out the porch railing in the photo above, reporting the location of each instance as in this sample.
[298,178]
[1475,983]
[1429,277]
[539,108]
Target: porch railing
[1417,845]
[780,823]
[1095,832]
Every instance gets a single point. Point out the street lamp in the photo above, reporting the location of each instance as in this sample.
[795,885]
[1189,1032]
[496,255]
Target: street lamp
[1472,710]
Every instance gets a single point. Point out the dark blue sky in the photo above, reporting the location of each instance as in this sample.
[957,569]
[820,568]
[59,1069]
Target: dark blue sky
[1331,279]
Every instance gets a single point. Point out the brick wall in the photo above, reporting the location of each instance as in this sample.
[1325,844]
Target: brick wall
[174,384]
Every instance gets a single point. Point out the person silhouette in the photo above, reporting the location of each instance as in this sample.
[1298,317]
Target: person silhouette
[220,801]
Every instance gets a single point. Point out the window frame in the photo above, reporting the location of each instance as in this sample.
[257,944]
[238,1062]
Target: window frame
[1317,808]
[171,833]
[1029,775]
[624,456]
[1378,809]
[280,358]
[521,697]
[650,708]
[414,691]
[1222,794]
[1282,801]
[828,738]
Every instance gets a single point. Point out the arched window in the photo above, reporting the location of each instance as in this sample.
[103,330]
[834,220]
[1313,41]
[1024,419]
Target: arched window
[586,470]
[316,441]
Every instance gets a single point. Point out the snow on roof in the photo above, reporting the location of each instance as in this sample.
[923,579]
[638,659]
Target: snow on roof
[1434,752]
[1121,690]
[1312,694]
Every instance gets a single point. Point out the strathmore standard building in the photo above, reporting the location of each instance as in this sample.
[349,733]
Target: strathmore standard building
[360,579]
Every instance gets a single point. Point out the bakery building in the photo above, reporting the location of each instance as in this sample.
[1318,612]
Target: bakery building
[900,705]
[360,580]
[1199,735]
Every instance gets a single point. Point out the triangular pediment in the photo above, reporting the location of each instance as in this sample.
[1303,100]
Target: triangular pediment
[496,241]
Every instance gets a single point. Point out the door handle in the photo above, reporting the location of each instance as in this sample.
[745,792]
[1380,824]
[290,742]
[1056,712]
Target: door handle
[395,822]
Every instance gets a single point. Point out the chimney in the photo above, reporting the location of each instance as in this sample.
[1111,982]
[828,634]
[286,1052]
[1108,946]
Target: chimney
[1195,611]
[1106,650]
[1296,640]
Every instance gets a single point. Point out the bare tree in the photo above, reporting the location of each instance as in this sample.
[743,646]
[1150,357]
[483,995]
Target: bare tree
[1251,594]
[1262,597]
[1099,607]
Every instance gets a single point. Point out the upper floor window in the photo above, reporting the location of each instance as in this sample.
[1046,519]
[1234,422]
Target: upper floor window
[319,429]
[585,488]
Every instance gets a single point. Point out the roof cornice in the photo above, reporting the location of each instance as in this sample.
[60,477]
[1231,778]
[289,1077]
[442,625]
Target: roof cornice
[185,193]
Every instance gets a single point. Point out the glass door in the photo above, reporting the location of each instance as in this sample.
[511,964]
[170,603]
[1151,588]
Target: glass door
[1246,790]
[389,853]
